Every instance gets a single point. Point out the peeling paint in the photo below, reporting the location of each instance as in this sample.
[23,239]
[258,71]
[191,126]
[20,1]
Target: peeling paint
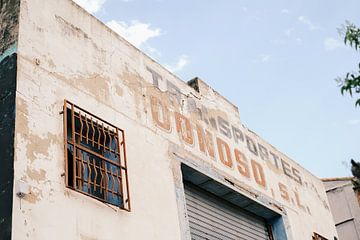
[34,196]
[40,146]
[119,91]
[97,70]
[36,175]
[35,145]
[134,82]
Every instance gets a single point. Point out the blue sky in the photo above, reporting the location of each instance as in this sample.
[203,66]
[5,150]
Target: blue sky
[275,60]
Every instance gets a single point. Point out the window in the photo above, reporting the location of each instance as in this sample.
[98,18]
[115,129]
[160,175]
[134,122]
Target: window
[95,157]
[318,237]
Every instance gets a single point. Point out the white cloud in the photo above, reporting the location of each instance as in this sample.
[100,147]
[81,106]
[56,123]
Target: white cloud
[264,58]
[285,11]
[279,41]
[182,62]
[332,44]
[299,41]
[137,33]
[92,6]
[354,122]
[304,20]
[288,32]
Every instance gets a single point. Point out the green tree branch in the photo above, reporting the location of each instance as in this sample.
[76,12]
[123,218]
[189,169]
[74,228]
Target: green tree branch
[351,83]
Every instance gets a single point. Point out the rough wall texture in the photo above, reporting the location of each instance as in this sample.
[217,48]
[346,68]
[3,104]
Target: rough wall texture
[64,53]
[9,15]
[345,208]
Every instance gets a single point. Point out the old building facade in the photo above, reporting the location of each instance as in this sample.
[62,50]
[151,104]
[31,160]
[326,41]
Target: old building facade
[345,207]
[98,141]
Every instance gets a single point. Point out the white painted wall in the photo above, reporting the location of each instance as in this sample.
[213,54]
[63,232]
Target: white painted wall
[64,53]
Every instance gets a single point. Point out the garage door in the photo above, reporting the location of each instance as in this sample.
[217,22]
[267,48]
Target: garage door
[212,218]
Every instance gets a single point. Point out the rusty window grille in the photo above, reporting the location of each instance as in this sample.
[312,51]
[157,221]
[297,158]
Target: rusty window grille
[95,157]
[318,237]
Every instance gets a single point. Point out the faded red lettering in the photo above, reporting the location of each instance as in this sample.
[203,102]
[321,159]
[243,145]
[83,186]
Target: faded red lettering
[226,158]
[206,143]
[258,172]
[243,166]
[183,127]
[160,114]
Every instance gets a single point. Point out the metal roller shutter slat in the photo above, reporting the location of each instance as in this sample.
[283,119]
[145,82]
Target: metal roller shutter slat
[213,219]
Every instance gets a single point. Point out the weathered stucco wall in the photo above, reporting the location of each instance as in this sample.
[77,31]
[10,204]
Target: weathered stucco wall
[64,53]
[9,12]
[345,207]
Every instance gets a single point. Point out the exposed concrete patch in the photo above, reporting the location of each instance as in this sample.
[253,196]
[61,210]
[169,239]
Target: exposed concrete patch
[36,175]
[21,105]
[34,196]
[37,145]
[134,82]
[138,88]
[95,84]
[119,91]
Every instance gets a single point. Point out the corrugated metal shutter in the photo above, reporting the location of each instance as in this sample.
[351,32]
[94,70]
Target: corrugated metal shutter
[212,218]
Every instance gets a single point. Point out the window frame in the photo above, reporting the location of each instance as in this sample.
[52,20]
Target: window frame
[120,178]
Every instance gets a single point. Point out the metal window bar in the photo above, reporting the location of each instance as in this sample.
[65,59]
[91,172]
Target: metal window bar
[95,157]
